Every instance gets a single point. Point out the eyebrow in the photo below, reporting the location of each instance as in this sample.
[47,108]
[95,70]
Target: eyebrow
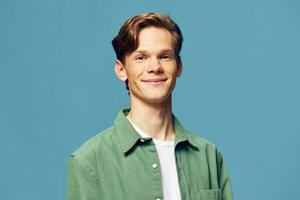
[167,51]
[163,51]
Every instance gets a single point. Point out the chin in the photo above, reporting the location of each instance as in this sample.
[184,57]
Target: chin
[152,96]
[158,99]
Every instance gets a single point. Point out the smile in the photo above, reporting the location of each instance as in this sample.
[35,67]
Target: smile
[154,81]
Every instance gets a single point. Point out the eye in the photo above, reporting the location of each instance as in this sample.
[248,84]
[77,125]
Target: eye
[140,58]
[166,57]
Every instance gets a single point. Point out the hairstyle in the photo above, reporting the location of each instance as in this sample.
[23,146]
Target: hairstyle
[127,40]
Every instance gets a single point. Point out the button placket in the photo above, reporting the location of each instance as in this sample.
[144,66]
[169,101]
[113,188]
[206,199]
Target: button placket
[154,173]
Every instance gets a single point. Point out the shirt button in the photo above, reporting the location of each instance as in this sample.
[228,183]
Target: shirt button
[154,165]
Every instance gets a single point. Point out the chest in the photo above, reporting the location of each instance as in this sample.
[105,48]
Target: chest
[138,175]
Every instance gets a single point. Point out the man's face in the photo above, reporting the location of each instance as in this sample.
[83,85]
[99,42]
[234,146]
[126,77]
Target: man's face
[152,69]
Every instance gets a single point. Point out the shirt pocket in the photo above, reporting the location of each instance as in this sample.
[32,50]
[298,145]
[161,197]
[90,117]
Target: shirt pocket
[210,194]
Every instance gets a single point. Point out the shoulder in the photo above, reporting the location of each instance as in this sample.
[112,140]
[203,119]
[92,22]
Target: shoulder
[94,146]
[199,140]
[83,162]
[204,144]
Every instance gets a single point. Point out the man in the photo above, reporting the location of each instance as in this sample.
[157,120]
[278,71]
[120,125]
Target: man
[147,154]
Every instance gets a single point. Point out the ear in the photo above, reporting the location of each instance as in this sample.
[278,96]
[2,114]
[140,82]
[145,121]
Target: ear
[120,70]
[179,69]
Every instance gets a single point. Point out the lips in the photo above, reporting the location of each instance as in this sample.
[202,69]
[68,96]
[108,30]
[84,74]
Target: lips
[154,80]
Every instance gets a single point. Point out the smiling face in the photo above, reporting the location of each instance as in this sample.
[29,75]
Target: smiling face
[152,69]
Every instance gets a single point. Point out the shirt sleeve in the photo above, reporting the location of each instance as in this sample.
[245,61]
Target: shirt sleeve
[80,184]
[224,180]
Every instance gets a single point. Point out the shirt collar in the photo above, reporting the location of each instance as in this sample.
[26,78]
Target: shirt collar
[182,136]
[128,136]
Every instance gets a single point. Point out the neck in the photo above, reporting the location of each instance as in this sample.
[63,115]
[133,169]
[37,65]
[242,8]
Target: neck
[155,120]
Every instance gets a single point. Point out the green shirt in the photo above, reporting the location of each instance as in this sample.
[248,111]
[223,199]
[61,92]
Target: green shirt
[118,164]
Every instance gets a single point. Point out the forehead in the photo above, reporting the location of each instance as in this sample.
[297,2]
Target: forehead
[155,38]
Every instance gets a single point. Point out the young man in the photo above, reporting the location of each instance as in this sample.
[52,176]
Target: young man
[147,154]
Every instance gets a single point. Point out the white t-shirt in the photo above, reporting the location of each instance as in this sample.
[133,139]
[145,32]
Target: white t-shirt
[166,155]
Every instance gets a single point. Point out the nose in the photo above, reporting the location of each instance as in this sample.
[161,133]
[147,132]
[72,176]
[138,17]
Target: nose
[155,66]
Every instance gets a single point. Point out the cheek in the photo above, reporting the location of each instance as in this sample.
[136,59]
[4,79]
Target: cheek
[136,73]
[172,70]
[132,76]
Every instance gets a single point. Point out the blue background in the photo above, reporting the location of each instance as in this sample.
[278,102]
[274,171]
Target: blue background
[240,87]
